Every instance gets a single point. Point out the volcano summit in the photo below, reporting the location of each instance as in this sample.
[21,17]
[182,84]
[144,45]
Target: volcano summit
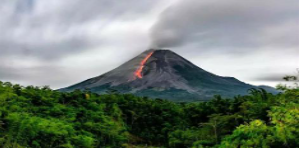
[164,74]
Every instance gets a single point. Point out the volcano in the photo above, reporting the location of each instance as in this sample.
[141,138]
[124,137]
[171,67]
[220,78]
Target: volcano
[166,75]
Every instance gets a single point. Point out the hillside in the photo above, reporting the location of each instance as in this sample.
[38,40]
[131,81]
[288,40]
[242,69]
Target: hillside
[166,75]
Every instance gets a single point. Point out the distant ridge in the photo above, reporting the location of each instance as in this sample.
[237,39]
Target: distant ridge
[161,73]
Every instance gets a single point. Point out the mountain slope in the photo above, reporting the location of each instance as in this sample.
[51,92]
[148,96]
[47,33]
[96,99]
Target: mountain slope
[164,74]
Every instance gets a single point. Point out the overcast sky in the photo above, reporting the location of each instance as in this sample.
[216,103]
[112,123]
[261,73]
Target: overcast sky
[62,42]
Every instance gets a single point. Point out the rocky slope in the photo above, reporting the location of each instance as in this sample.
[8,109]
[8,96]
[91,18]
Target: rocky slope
[164,74]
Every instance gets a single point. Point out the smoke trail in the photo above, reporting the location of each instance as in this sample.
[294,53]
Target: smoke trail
[230,23]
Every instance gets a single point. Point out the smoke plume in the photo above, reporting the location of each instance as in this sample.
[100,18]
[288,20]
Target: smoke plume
[229,23]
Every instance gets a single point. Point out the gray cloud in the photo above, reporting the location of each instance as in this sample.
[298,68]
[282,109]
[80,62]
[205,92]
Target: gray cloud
[272,78]
[276,77]
[49,50]
[53,29]
[35,75]
[228,24]
[39,39]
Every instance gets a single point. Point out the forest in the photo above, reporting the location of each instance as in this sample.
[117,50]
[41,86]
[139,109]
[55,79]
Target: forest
[39,117]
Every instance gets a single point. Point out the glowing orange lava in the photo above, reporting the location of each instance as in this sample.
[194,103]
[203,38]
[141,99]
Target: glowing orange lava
[138,72]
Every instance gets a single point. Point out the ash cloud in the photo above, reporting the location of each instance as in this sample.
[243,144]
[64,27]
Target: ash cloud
[229,23]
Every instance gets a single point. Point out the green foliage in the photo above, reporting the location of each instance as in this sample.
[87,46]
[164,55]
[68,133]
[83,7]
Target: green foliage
[281,131]
[285,120]
[43,118]
[255,134]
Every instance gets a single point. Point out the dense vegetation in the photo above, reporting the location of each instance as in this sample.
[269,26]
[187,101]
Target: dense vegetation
[43,118]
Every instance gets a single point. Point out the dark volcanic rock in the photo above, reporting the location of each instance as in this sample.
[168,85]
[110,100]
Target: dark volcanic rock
[164,75]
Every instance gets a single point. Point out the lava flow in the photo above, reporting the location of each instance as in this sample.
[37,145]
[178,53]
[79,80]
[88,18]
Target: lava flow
[138,72]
